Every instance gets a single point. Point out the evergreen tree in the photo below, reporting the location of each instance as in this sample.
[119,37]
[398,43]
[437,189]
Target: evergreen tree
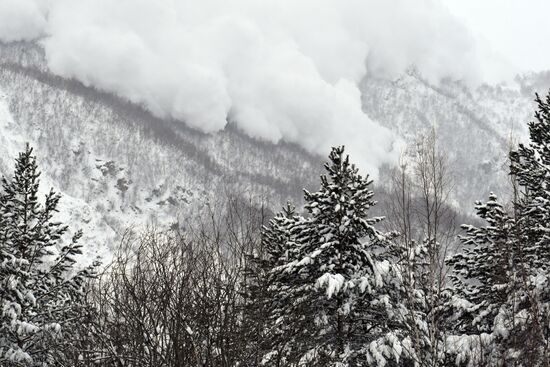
[484,279]
[413,263]
[268,344]
[40,291]
[338,279]
[482,271]
[530,166]
[501,307]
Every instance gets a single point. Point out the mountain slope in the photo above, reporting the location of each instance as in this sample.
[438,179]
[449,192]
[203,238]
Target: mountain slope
[118,166]
[475,128]
[125,165]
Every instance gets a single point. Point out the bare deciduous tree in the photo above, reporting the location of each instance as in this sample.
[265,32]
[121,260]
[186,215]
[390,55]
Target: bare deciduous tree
[173,298]
[419,208]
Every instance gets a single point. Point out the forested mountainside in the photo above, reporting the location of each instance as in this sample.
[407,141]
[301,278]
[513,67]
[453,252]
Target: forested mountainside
[475,127]
[119,166]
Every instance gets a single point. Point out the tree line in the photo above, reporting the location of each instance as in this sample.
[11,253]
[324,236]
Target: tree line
[326,285]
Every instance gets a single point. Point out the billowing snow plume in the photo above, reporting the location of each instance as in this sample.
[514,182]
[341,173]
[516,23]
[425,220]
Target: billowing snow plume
[22,19]
[277,69]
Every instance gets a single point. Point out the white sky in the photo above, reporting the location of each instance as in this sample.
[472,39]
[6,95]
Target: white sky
[519,30]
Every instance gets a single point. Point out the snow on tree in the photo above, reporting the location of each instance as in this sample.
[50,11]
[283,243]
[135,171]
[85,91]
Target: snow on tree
[530,166]
[419,207]
[337,289]
[269,343]
[412,260]
[483,269]
[40,291]
[500,311]
[484,279]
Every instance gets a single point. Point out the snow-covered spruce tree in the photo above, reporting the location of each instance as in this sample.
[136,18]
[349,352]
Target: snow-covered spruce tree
[339,282]
[40,293]
[270,344]
[530,166]
[483,275]
[413,263]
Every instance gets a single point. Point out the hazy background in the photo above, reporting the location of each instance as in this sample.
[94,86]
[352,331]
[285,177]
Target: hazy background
[516,30]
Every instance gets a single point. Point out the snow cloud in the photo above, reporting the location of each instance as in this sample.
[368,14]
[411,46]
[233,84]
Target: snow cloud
[277,69]
[22,20]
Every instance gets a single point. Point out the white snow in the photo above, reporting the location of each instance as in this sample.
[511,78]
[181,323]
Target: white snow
[332,283]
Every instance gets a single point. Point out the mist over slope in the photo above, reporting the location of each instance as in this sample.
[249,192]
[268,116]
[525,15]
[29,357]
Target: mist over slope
[475,127]
[276,70]
[125,166]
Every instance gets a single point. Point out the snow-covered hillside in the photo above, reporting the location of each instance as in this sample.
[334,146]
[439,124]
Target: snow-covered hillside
[73,209]
[475,127]
[124,167]
[118,166]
